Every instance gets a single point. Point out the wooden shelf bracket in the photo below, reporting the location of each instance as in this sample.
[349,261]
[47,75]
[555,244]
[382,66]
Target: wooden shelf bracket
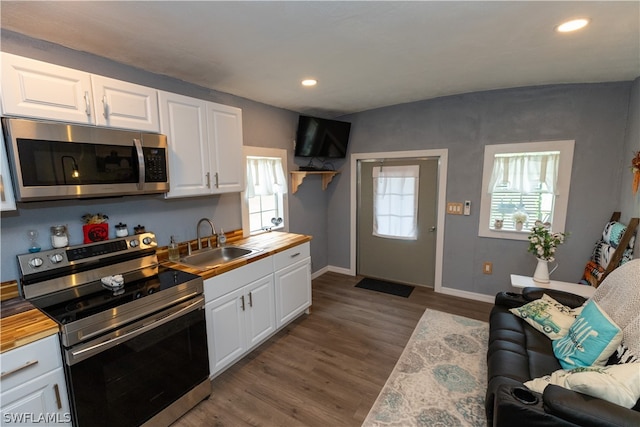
[298,176]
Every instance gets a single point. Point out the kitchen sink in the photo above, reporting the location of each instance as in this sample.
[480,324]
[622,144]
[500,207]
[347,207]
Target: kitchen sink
[212,257]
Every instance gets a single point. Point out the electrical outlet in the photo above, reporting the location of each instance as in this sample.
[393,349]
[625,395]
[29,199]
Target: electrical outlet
[487,267]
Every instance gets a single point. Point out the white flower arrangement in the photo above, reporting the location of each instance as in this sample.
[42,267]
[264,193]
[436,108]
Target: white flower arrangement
[543,242]
[519,217]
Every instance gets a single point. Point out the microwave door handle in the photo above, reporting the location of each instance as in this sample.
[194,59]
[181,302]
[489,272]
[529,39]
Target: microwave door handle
[138,145]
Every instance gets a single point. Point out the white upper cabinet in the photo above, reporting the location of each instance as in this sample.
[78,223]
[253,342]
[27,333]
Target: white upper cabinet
[37,89]
[7,200]
[225,142]
[125,105]
[41,90]
[184,121]
[205,146]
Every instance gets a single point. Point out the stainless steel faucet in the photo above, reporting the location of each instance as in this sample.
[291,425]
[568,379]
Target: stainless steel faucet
[213,232]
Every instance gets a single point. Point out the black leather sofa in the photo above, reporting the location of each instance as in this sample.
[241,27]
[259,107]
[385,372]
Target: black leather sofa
[518,353]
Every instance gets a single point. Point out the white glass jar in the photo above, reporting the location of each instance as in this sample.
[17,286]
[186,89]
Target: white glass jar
[59,236]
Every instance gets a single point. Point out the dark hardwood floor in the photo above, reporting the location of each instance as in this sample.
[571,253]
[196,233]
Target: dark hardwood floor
[326,368]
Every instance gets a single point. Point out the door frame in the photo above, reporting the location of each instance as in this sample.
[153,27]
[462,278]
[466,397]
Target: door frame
[442,156]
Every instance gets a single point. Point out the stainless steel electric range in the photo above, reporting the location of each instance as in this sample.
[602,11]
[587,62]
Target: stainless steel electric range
[132,332]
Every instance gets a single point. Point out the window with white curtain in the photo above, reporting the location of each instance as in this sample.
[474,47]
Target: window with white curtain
[264,199]
[395,201]
[523,183]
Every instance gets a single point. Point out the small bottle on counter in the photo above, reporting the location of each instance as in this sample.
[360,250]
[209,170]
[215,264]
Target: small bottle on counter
[121,230]
[174,251]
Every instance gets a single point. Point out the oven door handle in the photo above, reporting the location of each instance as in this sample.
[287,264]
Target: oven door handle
[76,356]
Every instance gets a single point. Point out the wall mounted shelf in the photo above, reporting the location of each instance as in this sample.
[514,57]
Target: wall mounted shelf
[298,176]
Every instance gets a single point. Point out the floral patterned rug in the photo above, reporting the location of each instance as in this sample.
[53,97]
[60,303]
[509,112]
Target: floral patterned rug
[440,378]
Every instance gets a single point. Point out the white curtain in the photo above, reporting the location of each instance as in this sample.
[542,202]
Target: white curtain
[395,201]
[265,177]
[525,173]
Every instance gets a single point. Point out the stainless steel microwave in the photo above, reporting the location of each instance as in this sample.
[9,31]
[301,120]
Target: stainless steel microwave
[52,161]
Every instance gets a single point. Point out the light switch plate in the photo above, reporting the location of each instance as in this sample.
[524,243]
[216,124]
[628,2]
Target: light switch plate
[454,208]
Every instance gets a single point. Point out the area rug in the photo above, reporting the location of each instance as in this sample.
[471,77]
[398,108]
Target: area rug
[440,378]
[386,287]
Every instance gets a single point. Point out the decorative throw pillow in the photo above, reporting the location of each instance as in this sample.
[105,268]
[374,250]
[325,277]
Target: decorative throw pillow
[619,384]
[622,355]
[548,316]
[591,339]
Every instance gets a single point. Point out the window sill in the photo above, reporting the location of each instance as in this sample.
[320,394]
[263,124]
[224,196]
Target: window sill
[505,234]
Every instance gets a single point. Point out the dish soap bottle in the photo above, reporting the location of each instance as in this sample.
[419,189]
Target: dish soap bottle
[174,251]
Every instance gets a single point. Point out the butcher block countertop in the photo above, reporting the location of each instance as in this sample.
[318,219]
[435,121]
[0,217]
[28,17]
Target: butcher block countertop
[269,243]
[21,323]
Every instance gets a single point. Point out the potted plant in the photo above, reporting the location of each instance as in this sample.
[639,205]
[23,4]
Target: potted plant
[95,228]
[519,218]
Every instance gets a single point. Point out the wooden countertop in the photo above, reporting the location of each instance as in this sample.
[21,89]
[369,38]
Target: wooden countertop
[29,324]
[268,243]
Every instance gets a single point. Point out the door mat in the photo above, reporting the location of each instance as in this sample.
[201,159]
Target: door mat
[386,287]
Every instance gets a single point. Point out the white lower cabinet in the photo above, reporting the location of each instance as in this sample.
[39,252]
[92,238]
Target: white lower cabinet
[292,283]
[247,305]
[34,391]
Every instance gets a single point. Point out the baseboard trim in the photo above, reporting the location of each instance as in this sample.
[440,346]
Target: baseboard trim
[341,270]
[466,294]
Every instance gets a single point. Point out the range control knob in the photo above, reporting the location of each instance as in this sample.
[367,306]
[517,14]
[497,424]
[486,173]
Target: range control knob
[134,243]
[56,258]
[35,262]
[146,240]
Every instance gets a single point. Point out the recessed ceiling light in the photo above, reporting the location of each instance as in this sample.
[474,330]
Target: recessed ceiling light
[573,25]
[309,82]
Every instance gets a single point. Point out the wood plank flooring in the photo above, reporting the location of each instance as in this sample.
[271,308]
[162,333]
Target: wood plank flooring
[326,368]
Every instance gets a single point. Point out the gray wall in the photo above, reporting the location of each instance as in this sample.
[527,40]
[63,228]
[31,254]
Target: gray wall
[594,115]
[630,203]
[263,125]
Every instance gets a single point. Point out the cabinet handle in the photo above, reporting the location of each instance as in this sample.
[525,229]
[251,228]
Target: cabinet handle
[217,183]
[56,390]
[18,369]
[295,255]
[242,299]
[208,176]
[250,299]
[105,107]
[87,104]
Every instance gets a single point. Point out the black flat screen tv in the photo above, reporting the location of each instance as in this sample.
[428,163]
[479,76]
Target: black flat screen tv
[318,137]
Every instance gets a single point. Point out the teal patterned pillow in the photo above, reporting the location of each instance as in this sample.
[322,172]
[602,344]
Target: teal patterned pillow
[590,340]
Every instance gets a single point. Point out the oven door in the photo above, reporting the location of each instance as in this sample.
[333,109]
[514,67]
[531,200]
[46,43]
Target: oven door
[134,373]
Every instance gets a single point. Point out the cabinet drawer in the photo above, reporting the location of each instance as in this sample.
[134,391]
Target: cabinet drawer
[291,255]
[29,361]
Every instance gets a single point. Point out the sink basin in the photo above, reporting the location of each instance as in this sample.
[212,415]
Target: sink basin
[213,257]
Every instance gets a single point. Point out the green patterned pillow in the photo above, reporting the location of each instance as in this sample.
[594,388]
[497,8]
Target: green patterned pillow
[548,316]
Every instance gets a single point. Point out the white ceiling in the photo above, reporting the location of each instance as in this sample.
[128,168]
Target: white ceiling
[364,54]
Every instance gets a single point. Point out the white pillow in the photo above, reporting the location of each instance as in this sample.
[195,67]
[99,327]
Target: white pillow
[619,384]
[548,316]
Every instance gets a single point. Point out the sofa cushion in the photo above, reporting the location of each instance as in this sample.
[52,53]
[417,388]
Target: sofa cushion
[591,340]
[619,384]
[548,316]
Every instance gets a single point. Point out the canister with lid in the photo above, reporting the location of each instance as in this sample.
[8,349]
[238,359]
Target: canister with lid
[59,236]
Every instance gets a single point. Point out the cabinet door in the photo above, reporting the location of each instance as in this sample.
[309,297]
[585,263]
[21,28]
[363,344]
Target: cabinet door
[42,400]
[7,200]
[32,88]
[225,142]
[184,121]
[125,105]
[260,310]
[225,330]
[293,291]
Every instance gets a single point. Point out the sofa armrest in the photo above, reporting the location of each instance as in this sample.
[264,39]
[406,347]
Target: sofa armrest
[585,410]
[565,298]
